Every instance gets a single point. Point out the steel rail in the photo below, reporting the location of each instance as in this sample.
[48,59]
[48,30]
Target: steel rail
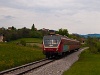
[26,71]
[19,67]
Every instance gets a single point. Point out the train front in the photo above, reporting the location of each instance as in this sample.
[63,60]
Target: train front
[51,45]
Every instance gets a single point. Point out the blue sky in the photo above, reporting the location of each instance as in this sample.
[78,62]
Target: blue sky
[78,16]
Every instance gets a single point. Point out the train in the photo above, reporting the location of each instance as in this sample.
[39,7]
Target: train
[58,45]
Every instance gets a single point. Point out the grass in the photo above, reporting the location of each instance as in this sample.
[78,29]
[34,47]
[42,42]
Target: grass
[29,40]
[12,55]
[88,64]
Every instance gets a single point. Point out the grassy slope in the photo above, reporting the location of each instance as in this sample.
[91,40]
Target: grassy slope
[13,55]
[88,64]
[33,40]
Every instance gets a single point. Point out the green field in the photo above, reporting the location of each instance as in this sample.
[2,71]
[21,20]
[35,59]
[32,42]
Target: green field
[29,40]
[12,55]
[88,64]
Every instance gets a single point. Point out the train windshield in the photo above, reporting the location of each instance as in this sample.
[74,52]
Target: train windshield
[51,41]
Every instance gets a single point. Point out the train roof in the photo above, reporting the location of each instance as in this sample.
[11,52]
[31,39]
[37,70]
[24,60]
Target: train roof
[63,37]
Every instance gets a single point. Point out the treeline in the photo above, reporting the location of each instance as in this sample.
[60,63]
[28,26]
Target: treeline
[14,34]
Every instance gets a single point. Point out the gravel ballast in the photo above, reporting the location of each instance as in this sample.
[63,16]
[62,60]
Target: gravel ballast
[59,66]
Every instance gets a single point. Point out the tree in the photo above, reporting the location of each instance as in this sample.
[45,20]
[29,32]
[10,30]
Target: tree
[33,28]
[13,28]
[75,36]
[36,34]
[25,32]
[63,32]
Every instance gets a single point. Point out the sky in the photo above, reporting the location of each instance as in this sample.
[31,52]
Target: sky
[77,16]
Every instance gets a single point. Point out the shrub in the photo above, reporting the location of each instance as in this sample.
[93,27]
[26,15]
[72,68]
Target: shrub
[22,42]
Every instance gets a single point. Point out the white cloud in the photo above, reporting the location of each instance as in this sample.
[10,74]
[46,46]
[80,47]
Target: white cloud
[78,16]
[20,18]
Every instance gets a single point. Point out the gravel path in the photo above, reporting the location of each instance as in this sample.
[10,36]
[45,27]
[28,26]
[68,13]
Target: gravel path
[59,66]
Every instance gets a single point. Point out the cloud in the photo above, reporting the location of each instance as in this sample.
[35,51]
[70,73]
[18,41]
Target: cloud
[15,17]
[78,16]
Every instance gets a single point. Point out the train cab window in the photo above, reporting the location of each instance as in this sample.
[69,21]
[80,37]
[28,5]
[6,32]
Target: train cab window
[49,41]
[55,41]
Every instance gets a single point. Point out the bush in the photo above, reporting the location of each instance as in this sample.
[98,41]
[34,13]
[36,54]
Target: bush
[22,42]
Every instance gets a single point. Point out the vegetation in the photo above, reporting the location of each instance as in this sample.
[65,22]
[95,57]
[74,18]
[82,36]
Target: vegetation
[33,28]
[88,63]
[63,32]
[12,55]
[14,34]
[28,40]
[25,46]
[22,42]
[93,44]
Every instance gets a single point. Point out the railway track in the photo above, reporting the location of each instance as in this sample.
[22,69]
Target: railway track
[26,68]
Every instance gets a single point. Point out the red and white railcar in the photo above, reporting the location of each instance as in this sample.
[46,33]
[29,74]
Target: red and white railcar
[54,45]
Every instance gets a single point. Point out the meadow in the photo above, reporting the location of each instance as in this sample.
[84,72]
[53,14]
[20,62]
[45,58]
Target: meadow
[88,64]
[12,55]
[89,60]
[28,40]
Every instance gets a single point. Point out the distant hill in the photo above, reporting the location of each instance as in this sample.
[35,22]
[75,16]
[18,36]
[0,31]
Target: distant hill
[91,35]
